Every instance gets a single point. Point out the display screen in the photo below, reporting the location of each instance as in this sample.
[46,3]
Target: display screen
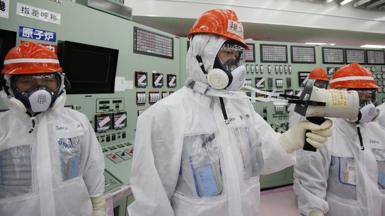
[375,57]
[150,43]
[273,53]
[250,53]
[103,122]
[7,42]
[333,55]
[90,69]
[355,56]
[302,54]
[120,120]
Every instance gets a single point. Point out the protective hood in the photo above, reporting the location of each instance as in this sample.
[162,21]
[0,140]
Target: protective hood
[206,46]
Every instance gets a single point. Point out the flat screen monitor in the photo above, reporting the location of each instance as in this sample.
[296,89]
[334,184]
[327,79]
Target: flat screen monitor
[89,68]
[7,42]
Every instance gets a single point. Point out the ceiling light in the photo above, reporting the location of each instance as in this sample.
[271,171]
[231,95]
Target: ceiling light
[315,43]
[328,1]
[360,2]
[344,2]
[373,46]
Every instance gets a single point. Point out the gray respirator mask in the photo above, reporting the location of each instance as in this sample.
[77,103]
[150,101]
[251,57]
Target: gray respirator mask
[228,71]
[37,92]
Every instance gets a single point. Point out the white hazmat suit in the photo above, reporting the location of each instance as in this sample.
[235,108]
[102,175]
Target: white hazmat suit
[341,179]
[189,162]
[51,166]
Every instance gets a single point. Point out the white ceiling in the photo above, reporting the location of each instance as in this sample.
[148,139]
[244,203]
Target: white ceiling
[296,21]
[266,32]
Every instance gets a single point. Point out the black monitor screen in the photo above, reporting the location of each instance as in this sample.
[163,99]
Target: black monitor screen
[7,42]
[90,69]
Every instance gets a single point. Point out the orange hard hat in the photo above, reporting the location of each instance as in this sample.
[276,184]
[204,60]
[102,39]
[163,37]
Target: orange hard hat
[222,22]
[30,58]
[353,76]
[318,74]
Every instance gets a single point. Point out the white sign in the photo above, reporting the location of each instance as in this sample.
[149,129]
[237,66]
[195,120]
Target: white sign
[4,8]
[37,13]
[121,84]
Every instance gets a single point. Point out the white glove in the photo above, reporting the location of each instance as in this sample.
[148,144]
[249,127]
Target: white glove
[316,213]
[98,206]
[293,139]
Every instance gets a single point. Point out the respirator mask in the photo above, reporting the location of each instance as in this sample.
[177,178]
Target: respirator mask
[37,92]
[228,71]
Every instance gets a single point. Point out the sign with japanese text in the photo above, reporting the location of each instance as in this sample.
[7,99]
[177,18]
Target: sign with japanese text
[36,34]
[37,13]
[4,8]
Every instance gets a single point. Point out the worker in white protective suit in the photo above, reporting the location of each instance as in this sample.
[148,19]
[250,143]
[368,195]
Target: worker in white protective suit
[346,177]
[321,80]
[381,114]
[50,161]
[200,151]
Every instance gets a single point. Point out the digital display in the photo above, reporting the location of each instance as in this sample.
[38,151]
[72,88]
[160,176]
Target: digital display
[273,53]
[150,43]
[333,55]
[120,120]
[103,122]
[249,54]
[355,56]
[302,54]
[375,57]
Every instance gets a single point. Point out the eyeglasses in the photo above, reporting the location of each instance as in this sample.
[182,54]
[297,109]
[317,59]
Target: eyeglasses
[27,83]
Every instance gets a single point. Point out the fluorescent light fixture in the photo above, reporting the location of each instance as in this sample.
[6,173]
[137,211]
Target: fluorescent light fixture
[344,2]
[315,43]
[373,46]
[360,2]
[328,1]
[332,44]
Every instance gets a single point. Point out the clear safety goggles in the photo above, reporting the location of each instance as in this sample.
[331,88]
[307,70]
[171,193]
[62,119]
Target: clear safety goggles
[231,56]
[28,83]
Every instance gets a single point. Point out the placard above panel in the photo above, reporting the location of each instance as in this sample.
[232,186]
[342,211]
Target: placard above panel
[302,54]
[333,55]
[375,57]
[250,53]
[355,56]
[273,53]
[150,43]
